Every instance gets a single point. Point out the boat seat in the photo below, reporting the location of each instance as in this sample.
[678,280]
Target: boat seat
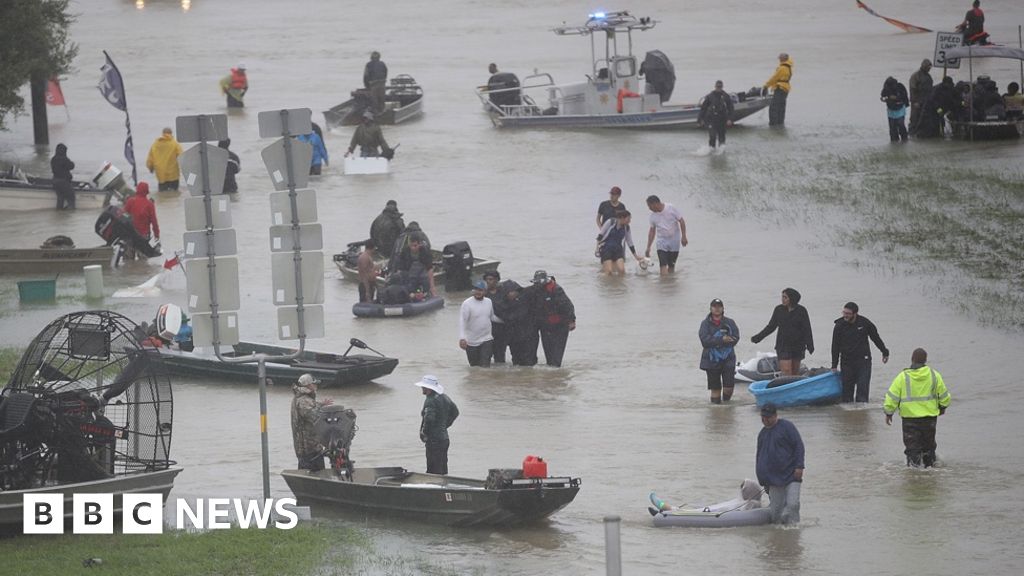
[14,413]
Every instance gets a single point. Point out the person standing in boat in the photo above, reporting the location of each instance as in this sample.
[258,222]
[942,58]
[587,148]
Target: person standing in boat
[234,86]
[920,396]
[850,350]
[61,166]
[304,414]
[606,210]
[387,227]
[437,416]
[779,85]
[920,91]
[370,139]
[233,167]
[715,114]
[554,316]
[366,265]
[894,94]
[375,78]
[163,161]
[669,227]
[475,318]
[794,326]
[780,465]
[718,335]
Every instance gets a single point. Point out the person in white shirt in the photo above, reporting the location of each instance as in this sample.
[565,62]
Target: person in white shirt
[475,319]
[668,226]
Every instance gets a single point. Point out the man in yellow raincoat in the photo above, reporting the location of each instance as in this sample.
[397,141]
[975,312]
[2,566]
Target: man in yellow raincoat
[921,396]
[163,160]
[779,84]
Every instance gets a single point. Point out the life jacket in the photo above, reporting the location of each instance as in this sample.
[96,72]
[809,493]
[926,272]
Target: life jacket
[238,79]
[623,94]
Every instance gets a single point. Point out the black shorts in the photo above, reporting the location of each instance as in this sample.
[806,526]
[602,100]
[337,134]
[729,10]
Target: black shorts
[667,258]
[717,378]
[787,355]
[612,253]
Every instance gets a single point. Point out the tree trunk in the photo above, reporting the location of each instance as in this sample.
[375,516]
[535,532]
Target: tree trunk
[40,123]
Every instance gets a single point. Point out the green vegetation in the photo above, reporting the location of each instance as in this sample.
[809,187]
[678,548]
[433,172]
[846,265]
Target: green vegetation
[909,214]
[8,362]
[310,549]
[34,43]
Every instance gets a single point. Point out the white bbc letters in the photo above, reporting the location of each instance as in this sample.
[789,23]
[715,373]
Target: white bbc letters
[142,514]
[43,514]
[92,513]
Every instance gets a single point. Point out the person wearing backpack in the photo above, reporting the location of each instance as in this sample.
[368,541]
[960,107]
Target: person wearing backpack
[719,335]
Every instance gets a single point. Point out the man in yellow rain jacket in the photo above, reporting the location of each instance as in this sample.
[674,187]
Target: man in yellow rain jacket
[163,160]
[921,396]
[779,83]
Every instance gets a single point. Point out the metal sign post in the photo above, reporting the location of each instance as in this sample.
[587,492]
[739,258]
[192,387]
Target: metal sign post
[210,234]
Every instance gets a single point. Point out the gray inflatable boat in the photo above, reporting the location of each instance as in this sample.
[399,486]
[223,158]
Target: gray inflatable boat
[743,511]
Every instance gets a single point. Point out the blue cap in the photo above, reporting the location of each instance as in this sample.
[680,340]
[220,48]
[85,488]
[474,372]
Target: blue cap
[479,285]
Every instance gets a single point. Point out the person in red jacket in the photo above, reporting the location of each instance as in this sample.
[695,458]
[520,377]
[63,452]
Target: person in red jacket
[143,212]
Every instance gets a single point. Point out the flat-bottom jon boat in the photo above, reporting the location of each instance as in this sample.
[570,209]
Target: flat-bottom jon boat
[333,370]
[449,500]
[29,260]
[378,310]
[787,391]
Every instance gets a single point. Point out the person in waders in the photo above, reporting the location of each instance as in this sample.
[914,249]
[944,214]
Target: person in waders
[715,114]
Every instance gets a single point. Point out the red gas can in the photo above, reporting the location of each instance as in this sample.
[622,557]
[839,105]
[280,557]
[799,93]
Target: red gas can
[535,467]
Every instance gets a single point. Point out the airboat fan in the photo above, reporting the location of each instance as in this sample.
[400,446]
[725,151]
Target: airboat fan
[86,402]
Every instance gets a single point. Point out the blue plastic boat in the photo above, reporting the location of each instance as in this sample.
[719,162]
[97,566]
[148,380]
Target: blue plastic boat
[821,389]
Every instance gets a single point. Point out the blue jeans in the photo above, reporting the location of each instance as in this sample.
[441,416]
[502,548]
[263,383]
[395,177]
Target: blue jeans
[784,502]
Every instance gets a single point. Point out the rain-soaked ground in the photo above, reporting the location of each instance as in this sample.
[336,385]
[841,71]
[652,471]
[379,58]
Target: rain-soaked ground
[925,237]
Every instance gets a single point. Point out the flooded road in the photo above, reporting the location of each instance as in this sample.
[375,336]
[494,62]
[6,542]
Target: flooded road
[628,411]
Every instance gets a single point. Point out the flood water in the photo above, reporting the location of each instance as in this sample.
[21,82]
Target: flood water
[628,412]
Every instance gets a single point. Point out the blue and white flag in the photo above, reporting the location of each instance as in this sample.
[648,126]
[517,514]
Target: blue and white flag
[111,86]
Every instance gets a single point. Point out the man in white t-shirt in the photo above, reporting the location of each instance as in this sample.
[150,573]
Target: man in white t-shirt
[668,226]
[475,319]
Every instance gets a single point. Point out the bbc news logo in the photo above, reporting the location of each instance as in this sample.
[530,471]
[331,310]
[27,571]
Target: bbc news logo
[144,514]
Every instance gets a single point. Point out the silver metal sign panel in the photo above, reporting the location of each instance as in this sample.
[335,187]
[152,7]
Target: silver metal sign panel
[197,244]
[191,169]
[272,122]
[197,281]
[213,127]
[277,167]
[282,273]
[311,237]
[944,42]
[281,207]
[288,322]
[202,328]
[195,213]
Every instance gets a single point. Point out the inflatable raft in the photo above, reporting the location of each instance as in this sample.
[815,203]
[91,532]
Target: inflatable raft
[375,310]
[763,366]
[736,512]
[784,391]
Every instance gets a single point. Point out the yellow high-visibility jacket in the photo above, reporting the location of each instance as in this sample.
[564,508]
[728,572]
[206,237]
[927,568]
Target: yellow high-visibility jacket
[780,80]
[917,393]
[163,158]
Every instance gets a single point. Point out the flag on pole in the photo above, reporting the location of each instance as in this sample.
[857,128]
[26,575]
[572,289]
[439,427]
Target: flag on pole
[111,86]
[54,95]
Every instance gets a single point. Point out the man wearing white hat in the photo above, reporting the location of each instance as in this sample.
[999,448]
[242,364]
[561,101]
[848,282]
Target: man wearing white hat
[305,412]
[439,412]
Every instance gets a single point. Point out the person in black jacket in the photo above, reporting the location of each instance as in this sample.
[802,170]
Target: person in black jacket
[850,350]
[234,165]
[553,314]
[514,307]
[715,115]
[894,94]
[794,332]
[62,166]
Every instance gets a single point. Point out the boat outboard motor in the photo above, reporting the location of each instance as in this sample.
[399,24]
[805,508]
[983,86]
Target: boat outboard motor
[502,81]
[335,428]
[458,266]
[660,74]
[115,224]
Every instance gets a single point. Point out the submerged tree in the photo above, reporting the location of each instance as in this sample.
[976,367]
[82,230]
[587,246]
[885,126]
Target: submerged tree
[34,44]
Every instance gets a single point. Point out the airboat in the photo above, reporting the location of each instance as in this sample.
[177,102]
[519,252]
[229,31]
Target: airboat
[986,128]
[87,410]
[617,94]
